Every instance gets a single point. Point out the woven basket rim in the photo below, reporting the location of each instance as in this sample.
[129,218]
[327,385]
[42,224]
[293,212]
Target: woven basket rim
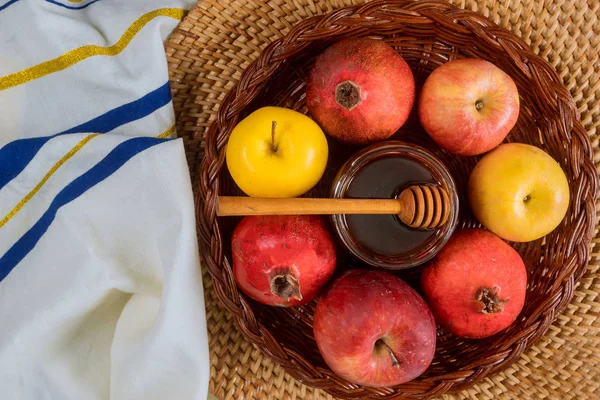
[250,83]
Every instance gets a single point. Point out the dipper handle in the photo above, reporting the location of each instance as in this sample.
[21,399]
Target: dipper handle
[229,206]
[417,206]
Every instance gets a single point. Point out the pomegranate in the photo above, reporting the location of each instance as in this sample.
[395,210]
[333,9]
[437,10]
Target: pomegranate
[360,91]
[282,260]
[476,284]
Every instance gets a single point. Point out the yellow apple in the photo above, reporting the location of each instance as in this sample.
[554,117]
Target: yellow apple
[276,152]
[519,192]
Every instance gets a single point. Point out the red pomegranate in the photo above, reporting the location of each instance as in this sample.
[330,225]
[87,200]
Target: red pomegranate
[282,260]
[360,91]
[476,284]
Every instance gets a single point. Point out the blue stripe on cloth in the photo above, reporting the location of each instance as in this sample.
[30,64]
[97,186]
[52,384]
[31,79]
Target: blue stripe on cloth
[16,155]
[99,172]
[72,7]
[5,5]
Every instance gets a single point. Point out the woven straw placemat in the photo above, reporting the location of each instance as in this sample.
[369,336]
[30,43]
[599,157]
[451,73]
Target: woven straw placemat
[218,39]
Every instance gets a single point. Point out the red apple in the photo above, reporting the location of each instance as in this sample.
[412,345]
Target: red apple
[476,284]
[373,329]
[282,260]
[468,106]
[360,91]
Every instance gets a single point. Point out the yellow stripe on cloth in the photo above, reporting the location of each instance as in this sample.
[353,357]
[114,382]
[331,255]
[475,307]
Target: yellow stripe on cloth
[81,53]
[54,168]
[166,133]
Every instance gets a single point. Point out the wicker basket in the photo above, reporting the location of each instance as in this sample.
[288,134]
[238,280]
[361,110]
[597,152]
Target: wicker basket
[426,34]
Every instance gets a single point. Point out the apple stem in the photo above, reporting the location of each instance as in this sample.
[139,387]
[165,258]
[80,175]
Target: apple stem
[479,104]
[395,362]
[273,144]
[488,300]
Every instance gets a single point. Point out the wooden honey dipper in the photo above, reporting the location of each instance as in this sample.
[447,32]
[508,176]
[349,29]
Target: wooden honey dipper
[421,207]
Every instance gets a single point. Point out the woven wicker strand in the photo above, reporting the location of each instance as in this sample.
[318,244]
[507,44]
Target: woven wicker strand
[206,55]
